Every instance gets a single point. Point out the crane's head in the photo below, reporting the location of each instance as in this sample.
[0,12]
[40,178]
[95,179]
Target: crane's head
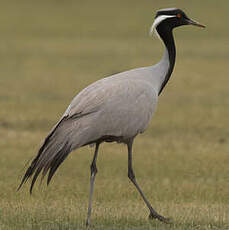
[170,18]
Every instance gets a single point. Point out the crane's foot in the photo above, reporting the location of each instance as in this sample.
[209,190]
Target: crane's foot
[88,223]
[160,218]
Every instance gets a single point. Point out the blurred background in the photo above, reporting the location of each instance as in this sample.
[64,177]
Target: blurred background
[50,50]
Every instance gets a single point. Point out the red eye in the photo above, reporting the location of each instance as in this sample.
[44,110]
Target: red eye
[179,15]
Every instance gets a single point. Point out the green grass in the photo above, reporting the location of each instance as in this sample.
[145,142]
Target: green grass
[50,50]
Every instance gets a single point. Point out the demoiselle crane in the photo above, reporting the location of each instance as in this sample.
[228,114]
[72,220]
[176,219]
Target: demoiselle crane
[114,109]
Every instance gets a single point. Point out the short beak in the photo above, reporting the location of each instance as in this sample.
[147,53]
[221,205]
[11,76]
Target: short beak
[191,22]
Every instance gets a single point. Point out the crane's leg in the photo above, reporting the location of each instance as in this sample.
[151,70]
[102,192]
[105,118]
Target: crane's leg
[153,214]
[92,179]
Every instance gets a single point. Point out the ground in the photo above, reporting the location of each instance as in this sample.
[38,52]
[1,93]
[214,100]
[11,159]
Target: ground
[50,50]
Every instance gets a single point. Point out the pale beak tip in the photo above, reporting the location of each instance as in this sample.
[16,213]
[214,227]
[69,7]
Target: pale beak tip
[194,23]
[202,26]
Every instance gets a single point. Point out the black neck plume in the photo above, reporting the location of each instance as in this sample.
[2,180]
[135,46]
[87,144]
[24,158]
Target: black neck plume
[166,35]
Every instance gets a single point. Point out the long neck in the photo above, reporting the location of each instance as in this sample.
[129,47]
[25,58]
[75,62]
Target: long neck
[170,52]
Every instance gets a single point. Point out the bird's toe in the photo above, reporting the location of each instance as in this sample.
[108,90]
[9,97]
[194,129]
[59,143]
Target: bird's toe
[160,218]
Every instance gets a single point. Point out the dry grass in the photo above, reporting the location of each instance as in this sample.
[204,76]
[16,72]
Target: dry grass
[50,50]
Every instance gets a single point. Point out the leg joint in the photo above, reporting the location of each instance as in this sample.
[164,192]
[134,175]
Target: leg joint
[131,174]
[94,169]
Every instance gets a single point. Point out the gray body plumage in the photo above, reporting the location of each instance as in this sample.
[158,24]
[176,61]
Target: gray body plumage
[121,105]
[115,108]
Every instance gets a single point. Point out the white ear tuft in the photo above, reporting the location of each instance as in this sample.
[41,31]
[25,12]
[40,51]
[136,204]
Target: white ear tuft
[156,22]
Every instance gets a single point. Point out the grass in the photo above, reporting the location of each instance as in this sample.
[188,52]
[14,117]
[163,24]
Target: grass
[50,50]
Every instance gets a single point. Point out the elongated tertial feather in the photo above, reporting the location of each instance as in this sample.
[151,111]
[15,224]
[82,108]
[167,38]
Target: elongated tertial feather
[49,157]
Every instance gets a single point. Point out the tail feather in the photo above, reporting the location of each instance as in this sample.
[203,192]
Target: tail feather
[69,133]
[52,153]
[34,179]
[57,162]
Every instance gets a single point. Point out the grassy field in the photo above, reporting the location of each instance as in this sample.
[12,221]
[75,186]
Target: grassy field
[50,50]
